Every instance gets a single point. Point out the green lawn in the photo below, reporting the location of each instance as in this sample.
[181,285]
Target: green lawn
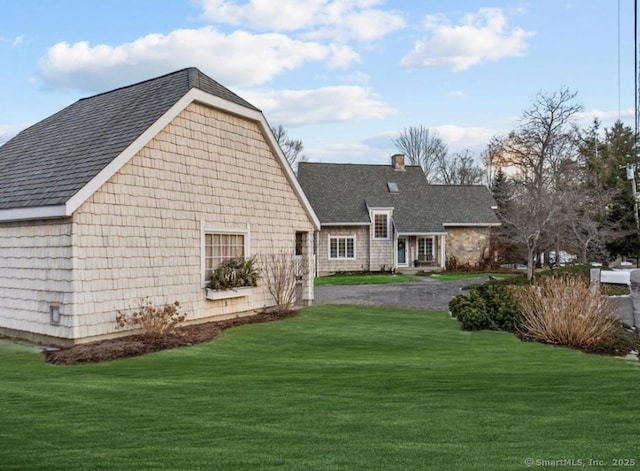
[338,388]
[468,276]
[362,279]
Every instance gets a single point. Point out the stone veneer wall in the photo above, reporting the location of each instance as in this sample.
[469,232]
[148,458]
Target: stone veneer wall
[361,263]
[141,233]
[467,244]
[35,272]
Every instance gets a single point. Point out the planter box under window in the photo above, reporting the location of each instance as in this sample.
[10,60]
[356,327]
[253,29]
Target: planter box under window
[213,294]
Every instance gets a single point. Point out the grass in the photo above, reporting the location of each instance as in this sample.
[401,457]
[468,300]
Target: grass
[338,388]
[372,279]
[468,276]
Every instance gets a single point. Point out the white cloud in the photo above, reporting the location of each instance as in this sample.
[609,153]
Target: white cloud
[7,131]
[480,37]
[461,137]
[352,153]
[236,59]
[284,15]
[323,105]
[605,115]
[342,56]
[17,41]
[455,93]
[340,20]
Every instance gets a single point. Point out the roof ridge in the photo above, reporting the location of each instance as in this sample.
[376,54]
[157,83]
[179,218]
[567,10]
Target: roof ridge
[466,185]
[175,72]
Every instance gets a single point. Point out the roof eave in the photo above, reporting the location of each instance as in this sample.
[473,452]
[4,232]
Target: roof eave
[346,224]
[36,212]
[417,234]
[471,224]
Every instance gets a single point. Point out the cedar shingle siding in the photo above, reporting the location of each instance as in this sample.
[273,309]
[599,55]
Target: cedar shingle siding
[141,232]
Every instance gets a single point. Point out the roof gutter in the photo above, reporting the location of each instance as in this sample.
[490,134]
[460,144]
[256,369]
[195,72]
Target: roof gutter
[418,234]
[346,224]
[472,224]
[37,212]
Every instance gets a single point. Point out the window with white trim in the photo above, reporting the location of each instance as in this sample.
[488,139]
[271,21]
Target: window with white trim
[220,247]
[381,226]
[342,247]
[425,248]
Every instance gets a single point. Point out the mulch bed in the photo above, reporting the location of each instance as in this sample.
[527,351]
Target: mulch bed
[135,345]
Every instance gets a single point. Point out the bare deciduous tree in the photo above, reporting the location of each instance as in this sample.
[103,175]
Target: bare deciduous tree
[291,148]
[459,169]
[423,147]
[536,153]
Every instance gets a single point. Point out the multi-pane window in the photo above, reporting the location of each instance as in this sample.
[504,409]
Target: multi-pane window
[221,247]
[381,226]
[342,247]
[425,248]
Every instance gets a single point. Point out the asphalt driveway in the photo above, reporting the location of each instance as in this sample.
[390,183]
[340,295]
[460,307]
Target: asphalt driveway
[428,293]
[424,293]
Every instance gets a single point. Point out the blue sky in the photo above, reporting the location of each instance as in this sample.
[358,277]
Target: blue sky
[344,76]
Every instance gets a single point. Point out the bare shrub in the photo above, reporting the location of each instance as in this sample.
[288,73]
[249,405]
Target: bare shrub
[565,311]
[280,271]
[156,322]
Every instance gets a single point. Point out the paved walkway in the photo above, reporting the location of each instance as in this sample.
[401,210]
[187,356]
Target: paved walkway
[428,293]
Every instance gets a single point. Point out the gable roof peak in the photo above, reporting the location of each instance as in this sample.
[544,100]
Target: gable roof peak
[59,161]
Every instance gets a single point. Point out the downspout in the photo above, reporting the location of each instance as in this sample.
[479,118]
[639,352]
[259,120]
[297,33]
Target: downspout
[316,241]
[395,246]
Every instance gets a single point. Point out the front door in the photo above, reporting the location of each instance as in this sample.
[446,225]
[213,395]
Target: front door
[402,251]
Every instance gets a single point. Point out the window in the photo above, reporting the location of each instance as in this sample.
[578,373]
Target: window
[342,248]
[299,242]
[425,248]
[381,226]
[221,247]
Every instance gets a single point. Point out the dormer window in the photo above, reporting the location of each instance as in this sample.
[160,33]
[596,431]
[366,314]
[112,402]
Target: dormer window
[381,226]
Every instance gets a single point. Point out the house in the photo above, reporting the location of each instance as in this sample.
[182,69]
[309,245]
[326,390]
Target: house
[383,217]
[141,192]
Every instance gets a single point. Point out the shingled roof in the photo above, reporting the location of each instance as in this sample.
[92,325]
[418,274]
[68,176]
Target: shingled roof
[463,205]
[342,194]
[49,162]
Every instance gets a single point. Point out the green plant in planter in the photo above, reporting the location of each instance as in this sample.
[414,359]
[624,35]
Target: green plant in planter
[235,273]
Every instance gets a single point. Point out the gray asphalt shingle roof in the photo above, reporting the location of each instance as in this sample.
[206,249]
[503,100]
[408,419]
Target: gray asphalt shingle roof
[340,194]
[47,163]
[463,204]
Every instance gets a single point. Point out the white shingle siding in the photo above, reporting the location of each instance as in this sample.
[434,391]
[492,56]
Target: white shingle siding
[327,266]
[205,167]
[382,254]
[35,272]
[139,234]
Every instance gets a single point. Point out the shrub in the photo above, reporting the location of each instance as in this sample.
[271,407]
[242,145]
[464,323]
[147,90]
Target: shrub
[620,341]
[566,311]
[490,306]
[453,264]
[156,322]
[235,273]
[281,270]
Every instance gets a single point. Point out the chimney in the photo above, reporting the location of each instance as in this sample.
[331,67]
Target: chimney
[397,160]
